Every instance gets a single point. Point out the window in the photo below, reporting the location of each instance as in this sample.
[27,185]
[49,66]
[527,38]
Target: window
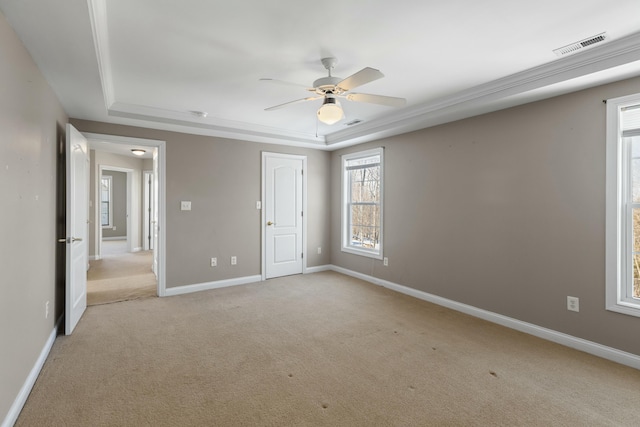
[623,205]
[106,207]
[362,183]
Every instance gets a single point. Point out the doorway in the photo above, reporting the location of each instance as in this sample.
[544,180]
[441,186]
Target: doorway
[124,263]
[119,207]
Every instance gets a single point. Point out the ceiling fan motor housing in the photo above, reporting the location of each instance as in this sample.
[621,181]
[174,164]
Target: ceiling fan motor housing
[326,85]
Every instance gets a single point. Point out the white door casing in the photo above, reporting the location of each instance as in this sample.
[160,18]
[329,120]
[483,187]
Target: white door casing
[155,225]
[283,214]
[77,203]
[147,214]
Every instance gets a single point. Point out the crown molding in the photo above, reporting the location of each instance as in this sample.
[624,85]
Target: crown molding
[99,27]
[598,58]
[216,127]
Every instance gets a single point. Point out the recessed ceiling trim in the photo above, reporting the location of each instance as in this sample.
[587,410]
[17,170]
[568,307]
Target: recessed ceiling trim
[215,127]
[463,104]
[615,53]
[99,27]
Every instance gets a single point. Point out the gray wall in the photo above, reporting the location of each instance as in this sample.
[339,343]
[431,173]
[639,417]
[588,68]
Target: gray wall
[31,127]
[119,196]
[222,179]
[505,212]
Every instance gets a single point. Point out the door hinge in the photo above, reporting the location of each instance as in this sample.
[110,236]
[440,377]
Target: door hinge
[302,213]
[302,171]
[301,255]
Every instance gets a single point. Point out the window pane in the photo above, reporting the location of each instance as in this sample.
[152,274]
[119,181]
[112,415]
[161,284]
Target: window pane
[365,184]
[636,230]
[635,169]
[365,227]
[104,213]
[636,276]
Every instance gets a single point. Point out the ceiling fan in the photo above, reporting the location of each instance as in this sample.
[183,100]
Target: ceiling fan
[330,88]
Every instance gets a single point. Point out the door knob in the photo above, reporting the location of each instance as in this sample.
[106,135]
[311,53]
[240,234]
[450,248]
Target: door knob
[269,223]
[70,240]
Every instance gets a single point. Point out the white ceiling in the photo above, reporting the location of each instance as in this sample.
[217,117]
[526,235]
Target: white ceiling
[150,63]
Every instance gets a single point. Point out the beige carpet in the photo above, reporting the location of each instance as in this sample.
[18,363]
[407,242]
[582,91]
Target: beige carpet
[317,350]
[121,277]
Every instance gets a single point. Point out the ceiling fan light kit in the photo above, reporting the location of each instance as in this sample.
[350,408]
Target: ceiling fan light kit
[330,112]
[331,87]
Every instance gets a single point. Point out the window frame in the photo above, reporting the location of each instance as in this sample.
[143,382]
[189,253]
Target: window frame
[110,201]
[346,203]
[619,213]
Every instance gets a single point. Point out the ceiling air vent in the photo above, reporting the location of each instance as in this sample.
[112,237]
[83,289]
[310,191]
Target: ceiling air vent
[574,47]
[353,122]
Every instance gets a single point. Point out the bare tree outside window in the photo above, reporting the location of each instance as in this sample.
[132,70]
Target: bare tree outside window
[363,207]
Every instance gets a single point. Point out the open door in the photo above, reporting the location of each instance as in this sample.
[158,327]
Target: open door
[77,166]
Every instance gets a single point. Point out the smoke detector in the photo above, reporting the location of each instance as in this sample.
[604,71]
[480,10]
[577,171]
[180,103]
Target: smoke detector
[574,47]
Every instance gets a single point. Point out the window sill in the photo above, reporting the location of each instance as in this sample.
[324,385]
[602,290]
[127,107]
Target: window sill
[362,252]
[625,308]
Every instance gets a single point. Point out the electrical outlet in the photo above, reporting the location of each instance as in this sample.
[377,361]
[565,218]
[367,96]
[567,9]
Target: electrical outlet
[234,260]
[46,310]
[573,303]
[258,205]
[319,250]
[385,261]
[214,262]
[185,205]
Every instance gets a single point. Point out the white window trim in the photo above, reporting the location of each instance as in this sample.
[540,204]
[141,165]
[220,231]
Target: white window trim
[617,218]
[377,254]
[110,178]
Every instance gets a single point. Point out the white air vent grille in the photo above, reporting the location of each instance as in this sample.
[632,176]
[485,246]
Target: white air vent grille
[574,47]
[353,122]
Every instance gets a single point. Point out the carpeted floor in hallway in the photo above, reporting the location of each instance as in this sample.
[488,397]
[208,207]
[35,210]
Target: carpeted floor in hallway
[120,277]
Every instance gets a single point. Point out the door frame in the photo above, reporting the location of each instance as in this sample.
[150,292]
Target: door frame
[263,219]
[161,147]
[128,198]
[147,210]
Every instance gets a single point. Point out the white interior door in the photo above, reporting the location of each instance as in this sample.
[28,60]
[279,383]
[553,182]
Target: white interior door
[283,214]
[77,165]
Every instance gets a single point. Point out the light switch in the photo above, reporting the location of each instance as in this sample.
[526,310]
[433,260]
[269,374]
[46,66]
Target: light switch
[185,205]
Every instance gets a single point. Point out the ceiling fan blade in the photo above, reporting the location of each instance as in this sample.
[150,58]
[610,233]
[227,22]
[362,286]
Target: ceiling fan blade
[282,82]
[363,76]
[389,101]
[275,107]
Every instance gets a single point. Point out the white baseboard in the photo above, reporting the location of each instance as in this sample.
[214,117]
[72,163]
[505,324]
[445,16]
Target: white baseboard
[187,289]
[318,269]
[138,249]
[590,347]
[22,396]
